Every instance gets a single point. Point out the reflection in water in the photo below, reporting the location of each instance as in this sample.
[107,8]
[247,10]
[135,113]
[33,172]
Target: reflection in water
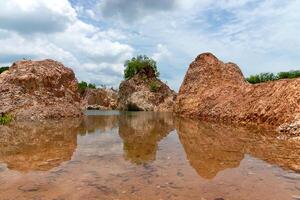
[211,148]
[141,133]
[38,146]
[132,155]
[26,146]
[98,123]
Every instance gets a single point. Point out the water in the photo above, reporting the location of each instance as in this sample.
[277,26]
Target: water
[146,156]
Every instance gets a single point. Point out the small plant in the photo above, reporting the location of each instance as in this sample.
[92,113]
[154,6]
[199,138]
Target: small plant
[5,119]
[153,86]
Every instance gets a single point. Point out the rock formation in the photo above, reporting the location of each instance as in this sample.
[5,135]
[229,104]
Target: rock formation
[218,91]
[39,90]
[145,92]
[99,99]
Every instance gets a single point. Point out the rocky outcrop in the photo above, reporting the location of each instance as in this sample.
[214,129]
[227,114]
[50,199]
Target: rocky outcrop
[99,99]
[145,92]
[39,90]
[218,91]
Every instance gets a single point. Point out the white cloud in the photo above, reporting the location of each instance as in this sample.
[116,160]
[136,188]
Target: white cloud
[30,16]
[162,52]
[39,29]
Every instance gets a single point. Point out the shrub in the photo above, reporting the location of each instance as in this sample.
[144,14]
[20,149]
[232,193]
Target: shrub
[91,85]
[264,77]
[153,86]
[136,64]
[83,85]
[5,119]
[2,69]
[290,74]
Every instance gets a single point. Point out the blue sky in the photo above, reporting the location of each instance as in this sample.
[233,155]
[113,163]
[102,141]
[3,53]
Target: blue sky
[95,37]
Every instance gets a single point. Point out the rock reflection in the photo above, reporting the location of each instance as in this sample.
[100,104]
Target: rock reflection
[211,148]
[141,132]
[98,123]
[26,146]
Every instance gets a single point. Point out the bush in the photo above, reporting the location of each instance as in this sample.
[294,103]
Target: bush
[290,74]
[5,119]
[259,78]
[83,85]
[153,86]
[264,77]
[136,64]
[2,69]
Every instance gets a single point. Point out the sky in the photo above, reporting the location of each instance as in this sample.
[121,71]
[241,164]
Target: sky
[95,37]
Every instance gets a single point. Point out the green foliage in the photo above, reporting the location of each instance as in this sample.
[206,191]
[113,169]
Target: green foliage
[91,85]
[259,78]
[290,74]
[136,64]
[83,85]
[5,119]
[264,77]
[2,69]
[153,86]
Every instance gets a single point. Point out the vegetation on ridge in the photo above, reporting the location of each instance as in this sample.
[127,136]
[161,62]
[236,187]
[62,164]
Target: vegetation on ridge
[136,64]
[153,86]
[83,85]
[264,77]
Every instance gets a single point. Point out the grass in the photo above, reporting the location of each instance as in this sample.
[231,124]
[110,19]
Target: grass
[5,119]
[265,77]
[153,86]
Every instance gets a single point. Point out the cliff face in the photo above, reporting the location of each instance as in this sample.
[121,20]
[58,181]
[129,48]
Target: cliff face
[99,99]
[144,92]
[218,91]
[39,90]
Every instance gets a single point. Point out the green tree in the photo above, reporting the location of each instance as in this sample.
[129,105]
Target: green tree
[136,64]
[83,85]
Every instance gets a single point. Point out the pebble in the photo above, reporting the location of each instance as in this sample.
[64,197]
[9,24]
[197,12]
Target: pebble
[28,188]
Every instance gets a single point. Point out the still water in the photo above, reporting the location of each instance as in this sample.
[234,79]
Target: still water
[145,156]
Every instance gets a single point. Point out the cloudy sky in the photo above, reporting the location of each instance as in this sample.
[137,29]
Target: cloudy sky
[95,37]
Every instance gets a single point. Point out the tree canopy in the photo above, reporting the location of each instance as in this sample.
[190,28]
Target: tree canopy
[83,85]
[136,64]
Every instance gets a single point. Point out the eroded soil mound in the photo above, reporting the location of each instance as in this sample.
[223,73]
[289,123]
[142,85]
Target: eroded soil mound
[99,99]
[145,92]
[218,91]
[39,90]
